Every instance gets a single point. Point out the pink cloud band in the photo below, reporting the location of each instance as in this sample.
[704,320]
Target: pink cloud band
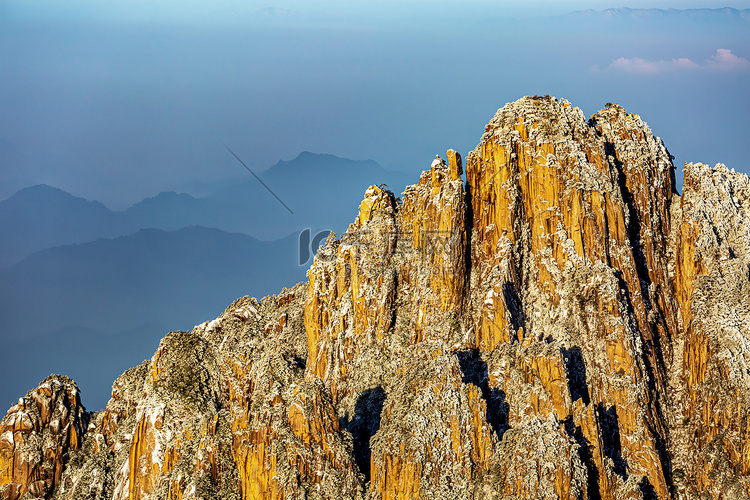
[723,60]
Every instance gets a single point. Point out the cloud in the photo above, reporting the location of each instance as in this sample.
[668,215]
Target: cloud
[638,65]
[723,60]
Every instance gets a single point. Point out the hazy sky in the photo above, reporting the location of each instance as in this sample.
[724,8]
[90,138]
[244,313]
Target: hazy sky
[120,100]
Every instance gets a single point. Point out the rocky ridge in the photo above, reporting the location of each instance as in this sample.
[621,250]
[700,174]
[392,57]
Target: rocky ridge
[561,325]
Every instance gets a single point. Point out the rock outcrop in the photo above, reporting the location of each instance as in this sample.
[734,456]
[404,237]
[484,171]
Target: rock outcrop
[563,324]
[37,436]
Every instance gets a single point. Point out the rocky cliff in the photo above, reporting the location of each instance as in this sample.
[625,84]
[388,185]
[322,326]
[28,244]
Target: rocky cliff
[561,325]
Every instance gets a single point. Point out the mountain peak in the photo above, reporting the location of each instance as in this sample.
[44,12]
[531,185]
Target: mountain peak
[320,163]
[42,196]
[307,154]
[39,190]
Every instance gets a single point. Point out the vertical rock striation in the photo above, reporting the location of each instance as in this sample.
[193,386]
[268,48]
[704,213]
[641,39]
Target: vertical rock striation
[561,325]
[710,375]
[570,284]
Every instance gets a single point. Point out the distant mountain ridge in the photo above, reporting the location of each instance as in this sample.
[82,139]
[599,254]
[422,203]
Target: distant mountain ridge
[654,13]
[144,283]
[325,163]
[42,216]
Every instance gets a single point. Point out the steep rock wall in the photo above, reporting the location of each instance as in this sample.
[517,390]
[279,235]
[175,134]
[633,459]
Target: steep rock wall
[570,222]
[710,375]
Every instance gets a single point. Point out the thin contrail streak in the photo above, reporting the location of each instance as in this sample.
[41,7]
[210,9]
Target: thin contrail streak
[264,184]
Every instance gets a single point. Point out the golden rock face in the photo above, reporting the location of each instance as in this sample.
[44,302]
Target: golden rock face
[571,219]
[561,325]
[36,435]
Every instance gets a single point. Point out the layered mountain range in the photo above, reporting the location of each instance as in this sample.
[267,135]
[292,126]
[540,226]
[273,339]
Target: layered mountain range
[40,217]
[563,324]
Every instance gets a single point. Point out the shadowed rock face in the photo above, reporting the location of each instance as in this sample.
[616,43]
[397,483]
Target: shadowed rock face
[562,325]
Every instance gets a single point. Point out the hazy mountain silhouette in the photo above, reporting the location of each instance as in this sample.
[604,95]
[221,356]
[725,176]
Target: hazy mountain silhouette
[312,190]
[164,280]
[727,18]
[316,190]
[170,211]
[722,14]
[322,191]
[41,216]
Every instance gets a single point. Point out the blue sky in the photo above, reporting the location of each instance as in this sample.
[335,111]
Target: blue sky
[121,100]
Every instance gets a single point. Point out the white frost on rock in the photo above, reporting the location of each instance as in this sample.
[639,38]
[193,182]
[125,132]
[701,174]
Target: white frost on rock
[246,313]
[123,482]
